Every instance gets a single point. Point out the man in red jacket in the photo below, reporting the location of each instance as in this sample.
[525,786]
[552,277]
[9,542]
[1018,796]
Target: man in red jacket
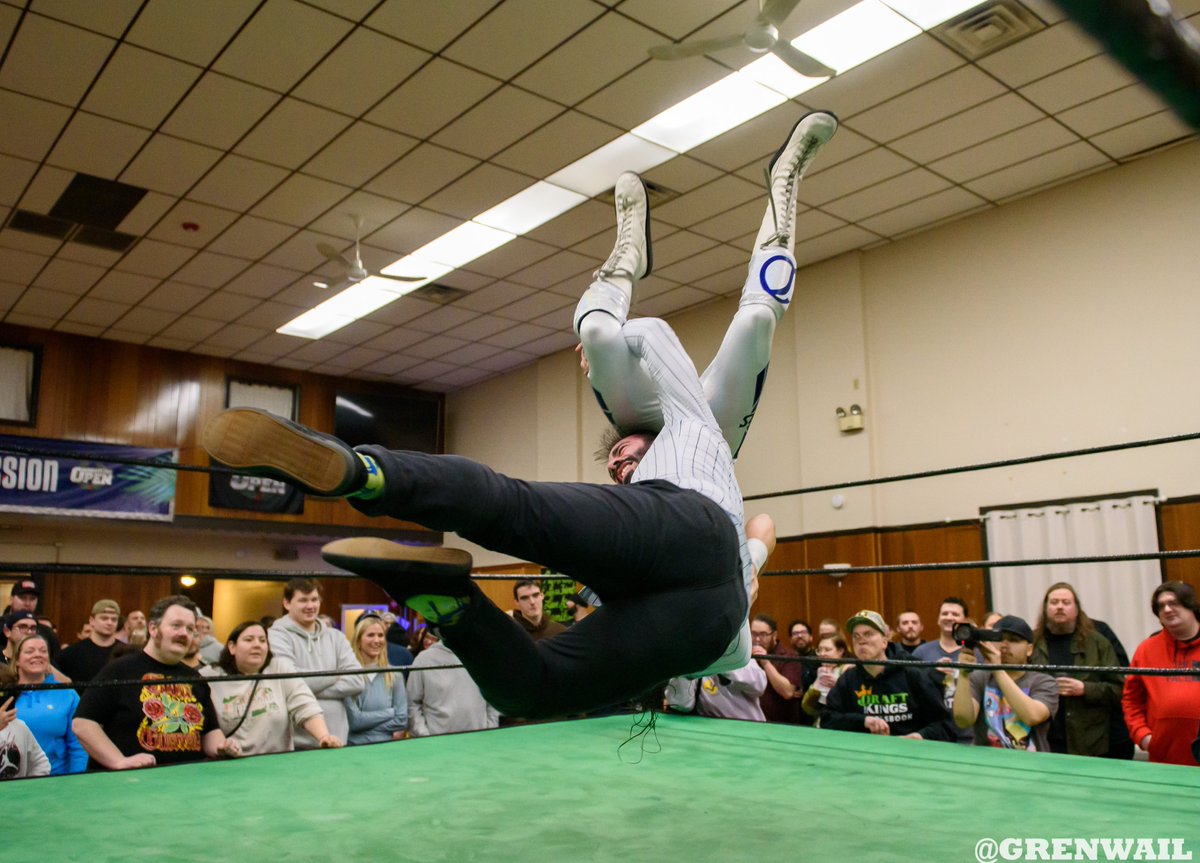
[1161,711]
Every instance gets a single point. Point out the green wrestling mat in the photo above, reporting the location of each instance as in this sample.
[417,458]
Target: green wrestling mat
[717,790]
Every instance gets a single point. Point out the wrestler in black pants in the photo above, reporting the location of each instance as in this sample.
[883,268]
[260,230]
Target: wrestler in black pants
[664,560]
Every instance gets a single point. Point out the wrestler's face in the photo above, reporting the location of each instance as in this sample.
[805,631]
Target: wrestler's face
[626,455]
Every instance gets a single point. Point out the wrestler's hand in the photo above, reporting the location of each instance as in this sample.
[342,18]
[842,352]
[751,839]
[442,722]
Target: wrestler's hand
[877,726]
[583,363]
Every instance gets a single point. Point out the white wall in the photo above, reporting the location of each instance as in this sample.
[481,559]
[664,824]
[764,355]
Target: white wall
[1063,320]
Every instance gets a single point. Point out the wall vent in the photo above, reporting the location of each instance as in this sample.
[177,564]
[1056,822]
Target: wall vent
[442,294]
[114,241]
[657,194]
[988,28]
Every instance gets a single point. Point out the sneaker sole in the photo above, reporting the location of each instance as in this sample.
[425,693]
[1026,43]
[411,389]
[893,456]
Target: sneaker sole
[375,556]
[258,441]
[788,139]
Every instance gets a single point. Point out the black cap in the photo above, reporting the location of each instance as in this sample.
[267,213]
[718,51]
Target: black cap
[1014,625]
[26,586]
[12,617]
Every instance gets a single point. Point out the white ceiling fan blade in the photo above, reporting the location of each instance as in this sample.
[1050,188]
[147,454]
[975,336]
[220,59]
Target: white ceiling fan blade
[800,61]
[400,278]
[775,11]
[691,49]
[333,255]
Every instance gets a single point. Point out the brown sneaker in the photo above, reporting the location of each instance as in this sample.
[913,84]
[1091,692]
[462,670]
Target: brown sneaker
[401,570]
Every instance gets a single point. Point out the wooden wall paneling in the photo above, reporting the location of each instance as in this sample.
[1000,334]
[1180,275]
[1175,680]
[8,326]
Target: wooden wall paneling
[923,592]
[784,597]
[1180,526]
[67,599]
[840,598]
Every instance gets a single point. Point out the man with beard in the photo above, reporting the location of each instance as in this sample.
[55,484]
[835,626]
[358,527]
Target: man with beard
[1065,635]
[909,629]
[127,727]
[780,701]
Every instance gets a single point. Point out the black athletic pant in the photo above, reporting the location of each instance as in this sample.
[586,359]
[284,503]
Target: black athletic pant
[663,559]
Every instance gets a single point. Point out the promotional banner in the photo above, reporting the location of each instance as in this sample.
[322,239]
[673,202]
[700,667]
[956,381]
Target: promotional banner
[85,484]
[256,493]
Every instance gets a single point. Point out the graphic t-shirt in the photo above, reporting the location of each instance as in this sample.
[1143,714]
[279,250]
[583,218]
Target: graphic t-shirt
[165,720]
[998,725]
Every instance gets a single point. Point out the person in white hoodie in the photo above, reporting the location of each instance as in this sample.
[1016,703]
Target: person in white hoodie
[20,754]
[301,639]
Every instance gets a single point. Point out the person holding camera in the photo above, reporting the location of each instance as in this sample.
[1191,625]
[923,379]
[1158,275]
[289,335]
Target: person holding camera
[1008,709]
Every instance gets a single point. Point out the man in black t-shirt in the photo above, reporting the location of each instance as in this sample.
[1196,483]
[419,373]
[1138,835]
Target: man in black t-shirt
[126,727]
[83,660]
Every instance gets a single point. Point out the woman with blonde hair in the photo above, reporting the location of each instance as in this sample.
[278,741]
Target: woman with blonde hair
[380,712]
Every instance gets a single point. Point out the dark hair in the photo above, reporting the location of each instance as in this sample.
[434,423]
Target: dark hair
[300,585]
[525,582]
[768,620]
[954,600]
[608,439]
[1083,626]
[227,662]
[8,683]
[799,622]
[1185,593]
[160,608]
[838,641]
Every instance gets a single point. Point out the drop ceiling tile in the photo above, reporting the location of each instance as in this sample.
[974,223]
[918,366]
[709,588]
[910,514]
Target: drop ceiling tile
[219,111]
[516,33]
[140,87]
[1042,54]
[262,281]
[303,293]
[170,344]
[441,319]
[360,71]
[237,183]
[23,267]
[170,165]
[1115,109]
[727,226]
[278,345]
[413,229]
[426,371]
[21,319]
[123,287]
[69,277]
[190,32]
[68,326]
[559,340]
[501,362]
[1005,150]
[401,312]
[98,313]
[494,297]
[586,220]
[24,242]
[813,223]
[393,364]
[174,297]
[360,332]
[52,60]
[1047,10]
[683,174]
[374,210]
[44,303]
[534,306]
[358,154]
[86,254]
[997,117]
[208,270]
[317,352]
[831,244]
[420,173]
[9,17]
[78,149]
[39,127]
[109,18]
[566,138]
[851,175]
[207,224]
[676,20]
[752,143]
[266,315]
[353,10]
[707,201]
[145,321]
[471,353]
[517,336]
[555,269]
[9,294]
[300,252]
[953,92]
[883,196]
[1144,134]
[410,20]
[146,213]
[299,365]
[889,75]
[1078,84]
[433,97]
[1038,171]
[152,258]
[292,133]
[934,208]
[300,199]
[652,88]
[434,347]
[356,358]
[606,49]
[512,256]
[456,379]
[281,43]
[15,175]
[502,119]
[214,350]
[673,301]
[726,282]
[394,340]
[118,335]
[696,267]
[477,191]
[191,329]
[238,336]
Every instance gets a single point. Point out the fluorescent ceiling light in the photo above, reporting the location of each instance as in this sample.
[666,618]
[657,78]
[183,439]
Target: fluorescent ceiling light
[535,206]
[930,13]
[413,267]
[703,116]
[772,72]
[863,31]
[463,244]
[598,171]
[343,308]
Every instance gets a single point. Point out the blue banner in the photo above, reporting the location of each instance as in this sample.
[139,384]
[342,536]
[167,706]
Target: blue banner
[83,483]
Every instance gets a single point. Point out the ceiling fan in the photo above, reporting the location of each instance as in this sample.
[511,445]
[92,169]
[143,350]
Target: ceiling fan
[354,271]
[762,36]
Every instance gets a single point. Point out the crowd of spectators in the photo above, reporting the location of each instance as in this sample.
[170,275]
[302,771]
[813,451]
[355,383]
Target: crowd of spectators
[348,694]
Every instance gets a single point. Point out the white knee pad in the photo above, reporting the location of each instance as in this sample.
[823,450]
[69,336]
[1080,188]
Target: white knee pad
[603,296]
[771,280]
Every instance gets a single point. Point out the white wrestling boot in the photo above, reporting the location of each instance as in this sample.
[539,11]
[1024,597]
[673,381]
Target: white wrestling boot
[632,256]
